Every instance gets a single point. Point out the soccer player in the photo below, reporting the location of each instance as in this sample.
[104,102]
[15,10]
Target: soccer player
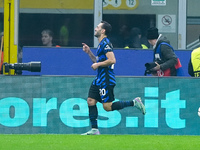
[101,89]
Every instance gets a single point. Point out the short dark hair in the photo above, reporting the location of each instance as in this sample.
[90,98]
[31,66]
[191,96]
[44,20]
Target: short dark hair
[47,31]
[107,27]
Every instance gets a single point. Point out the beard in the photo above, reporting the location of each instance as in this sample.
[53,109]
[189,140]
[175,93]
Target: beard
[97,34]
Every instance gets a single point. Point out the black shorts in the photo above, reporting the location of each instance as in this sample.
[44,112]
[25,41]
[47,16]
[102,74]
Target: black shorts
[102,95]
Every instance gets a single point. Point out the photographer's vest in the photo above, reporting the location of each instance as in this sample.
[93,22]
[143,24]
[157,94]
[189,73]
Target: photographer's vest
[195,59]
[167,72]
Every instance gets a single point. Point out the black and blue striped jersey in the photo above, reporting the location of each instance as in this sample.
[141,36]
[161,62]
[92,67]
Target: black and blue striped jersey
[105,75]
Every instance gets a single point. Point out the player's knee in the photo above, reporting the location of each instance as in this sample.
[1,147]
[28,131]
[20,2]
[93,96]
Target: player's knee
[91,101]
[107,107]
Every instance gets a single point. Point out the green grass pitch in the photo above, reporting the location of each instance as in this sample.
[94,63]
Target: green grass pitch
[97,142]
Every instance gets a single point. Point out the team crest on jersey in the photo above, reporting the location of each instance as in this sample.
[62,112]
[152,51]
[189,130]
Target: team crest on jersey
[107,47]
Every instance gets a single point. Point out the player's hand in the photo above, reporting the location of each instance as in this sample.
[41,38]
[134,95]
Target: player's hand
[86,48]
[95,66]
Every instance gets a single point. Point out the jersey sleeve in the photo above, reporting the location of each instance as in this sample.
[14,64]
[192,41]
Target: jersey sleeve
[108,48]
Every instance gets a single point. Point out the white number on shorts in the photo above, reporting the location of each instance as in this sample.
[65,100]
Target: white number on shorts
[102,92]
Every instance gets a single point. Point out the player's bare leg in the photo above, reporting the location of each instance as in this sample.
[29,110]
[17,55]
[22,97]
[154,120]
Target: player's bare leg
[93,114]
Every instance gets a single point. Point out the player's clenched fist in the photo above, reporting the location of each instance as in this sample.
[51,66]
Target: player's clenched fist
[95,66]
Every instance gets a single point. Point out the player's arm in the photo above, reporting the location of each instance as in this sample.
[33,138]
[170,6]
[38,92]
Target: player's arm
[87,50]
[110,60]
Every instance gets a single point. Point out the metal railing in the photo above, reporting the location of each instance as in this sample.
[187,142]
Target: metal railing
[194,44]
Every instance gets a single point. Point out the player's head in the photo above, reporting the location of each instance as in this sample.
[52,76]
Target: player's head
[47,37]
[106,26]
[103,28]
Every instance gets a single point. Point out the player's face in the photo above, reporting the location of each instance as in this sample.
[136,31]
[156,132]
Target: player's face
[46,39]
[98,30]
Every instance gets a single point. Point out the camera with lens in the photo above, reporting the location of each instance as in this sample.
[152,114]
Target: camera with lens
[18,67]
[150,66]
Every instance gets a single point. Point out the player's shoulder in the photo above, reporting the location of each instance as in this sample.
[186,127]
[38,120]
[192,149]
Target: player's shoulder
[107,43]
[106,40]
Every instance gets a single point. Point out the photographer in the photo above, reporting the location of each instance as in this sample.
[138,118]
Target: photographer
[165,60]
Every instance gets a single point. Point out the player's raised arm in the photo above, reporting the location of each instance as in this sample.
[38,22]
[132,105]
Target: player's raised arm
[87,50]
